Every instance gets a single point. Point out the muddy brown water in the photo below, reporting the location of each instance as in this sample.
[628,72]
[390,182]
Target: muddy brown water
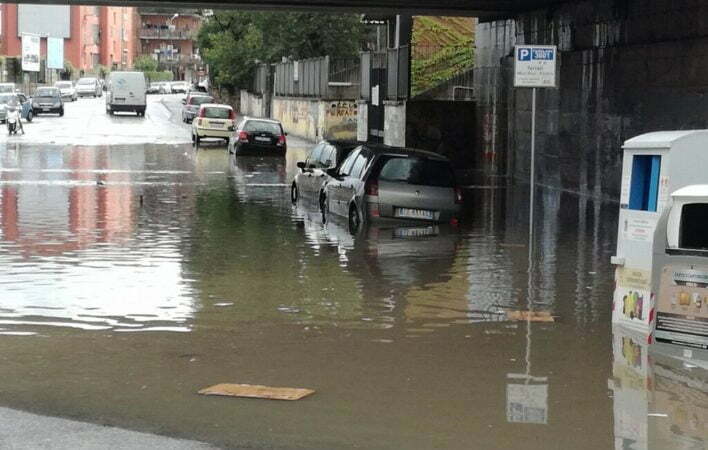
[134,276]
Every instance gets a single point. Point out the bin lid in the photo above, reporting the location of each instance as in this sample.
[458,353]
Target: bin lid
[661,139]
[692,191]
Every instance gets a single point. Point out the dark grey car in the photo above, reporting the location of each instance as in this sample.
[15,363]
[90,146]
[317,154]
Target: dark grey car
[48,100]
[312,176]
[377,181]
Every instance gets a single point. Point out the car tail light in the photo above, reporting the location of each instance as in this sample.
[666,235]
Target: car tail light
[454,222]
[372,187]
[458,195]
[199,122]
[281,140]
[243,136]
[202,112]
[374,210]
[232,115]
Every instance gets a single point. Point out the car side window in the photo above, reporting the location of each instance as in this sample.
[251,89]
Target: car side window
[314,158]
[349,162]
[359,165]
[327,158]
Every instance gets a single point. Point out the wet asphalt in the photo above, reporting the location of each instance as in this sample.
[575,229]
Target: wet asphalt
[138,270]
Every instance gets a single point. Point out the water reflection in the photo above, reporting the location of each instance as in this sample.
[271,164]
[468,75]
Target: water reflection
[660,394]
[70,236]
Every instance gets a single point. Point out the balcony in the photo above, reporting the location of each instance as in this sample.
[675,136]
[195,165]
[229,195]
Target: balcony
[166,33]
[177,59]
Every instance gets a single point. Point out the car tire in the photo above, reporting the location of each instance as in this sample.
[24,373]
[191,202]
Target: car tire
[294,194]
[354,220]
[61,112]
[30,116]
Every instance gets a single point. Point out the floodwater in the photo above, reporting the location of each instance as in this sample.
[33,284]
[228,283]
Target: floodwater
[133,276]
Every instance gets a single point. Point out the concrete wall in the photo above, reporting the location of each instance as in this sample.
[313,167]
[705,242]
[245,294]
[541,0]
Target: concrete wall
[395,124]
[362,124]
[626,68]
[251,105]
[315,119]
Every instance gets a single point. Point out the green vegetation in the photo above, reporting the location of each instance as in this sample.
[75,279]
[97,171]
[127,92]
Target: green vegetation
[234,42]
[442,48]
[148,65]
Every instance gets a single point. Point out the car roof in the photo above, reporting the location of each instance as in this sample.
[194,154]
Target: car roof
[382,149]
[215,105]
[262,119]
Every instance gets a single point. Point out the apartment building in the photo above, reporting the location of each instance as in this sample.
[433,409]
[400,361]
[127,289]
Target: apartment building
[170,36]
[92,35]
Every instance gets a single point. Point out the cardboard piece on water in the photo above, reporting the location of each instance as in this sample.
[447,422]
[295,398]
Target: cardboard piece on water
[530,316]
[257,391]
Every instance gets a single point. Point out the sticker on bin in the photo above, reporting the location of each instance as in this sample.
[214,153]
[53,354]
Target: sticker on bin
[414,213]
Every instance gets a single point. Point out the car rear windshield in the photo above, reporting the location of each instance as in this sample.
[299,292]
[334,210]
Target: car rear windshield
[199,100]
[64,85]
[418,171]
[261,126]
[216,113]
[47,92]
[86,81]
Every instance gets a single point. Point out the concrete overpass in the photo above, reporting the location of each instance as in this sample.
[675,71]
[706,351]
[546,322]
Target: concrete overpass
[485,9]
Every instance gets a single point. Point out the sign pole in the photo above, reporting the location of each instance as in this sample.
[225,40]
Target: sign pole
[533,171]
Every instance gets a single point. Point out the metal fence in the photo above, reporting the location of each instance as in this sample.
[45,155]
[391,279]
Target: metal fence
[260,79]
[321,77]
[395,63]
[398,65]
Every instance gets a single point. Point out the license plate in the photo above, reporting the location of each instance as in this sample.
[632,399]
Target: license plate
[414,213]
[216,124]
[262,139]
[415,232]
[45,109]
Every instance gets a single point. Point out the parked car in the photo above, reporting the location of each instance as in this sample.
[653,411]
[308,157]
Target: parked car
[7,88]
[67,90]
[88,87]
[192,104]
[26,111]
[259,136]
[377,181]
[213,121]
[153,88]
[126,92]
[165,87]
[179,87]
[47,100]
[312,176]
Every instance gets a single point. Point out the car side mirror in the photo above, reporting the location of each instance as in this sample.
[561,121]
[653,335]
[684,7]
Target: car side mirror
[285,133]
[301,165]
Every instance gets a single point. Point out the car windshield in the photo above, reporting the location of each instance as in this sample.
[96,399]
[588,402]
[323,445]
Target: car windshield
[64,85]
[261,126]
[418,171]
[216,113]
[200,99]
[87,81]
[46,92]
[5,98]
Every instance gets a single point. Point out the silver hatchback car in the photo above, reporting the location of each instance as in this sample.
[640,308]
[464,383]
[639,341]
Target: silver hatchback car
[380,182]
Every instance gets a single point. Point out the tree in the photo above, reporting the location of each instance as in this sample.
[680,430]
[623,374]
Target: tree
[145,63]
[232,43]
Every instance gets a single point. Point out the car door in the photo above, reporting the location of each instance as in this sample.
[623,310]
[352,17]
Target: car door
[324,163]
[352,184]
[336,187]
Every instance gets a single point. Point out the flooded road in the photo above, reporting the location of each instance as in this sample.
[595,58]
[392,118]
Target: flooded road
[135,275]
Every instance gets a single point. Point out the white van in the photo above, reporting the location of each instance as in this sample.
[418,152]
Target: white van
[126,92]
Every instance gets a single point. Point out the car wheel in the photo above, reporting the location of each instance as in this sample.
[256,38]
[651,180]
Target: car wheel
[61,112]
[30,116]
[354,219]
[294,194]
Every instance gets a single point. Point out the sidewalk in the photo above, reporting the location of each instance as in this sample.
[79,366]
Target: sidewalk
[21,430]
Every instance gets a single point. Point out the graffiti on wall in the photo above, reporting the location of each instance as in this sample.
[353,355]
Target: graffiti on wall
[341,120]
